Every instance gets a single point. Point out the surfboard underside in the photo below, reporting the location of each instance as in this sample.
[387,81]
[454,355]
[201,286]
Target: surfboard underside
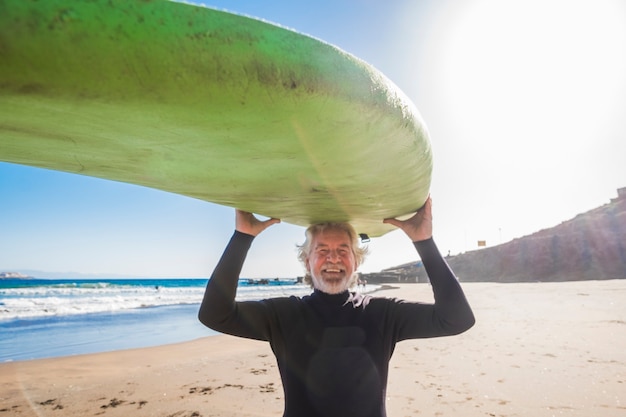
[210,105]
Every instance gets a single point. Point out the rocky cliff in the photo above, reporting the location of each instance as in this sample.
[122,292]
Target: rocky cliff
[590,246]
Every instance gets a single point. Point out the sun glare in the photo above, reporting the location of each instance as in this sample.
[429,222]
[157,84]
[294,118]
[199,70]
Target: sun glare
[536,69]
[523,98]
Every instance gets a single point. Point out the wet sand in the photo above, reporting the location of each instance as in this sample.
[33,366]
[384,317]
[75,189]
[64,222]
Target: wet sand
[540,349]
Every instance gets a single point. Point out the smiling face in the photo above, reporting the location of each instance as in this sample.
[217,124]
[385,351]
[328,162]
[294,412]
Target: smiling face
[331,261]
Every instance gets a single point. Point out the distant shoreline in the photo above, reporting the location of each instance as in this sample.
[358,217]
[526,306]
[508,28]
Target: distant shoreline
[14,275]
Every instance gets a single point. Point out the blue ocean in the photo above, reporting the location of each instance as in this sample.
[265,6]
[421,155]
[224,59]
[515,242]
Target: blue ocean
[42,318]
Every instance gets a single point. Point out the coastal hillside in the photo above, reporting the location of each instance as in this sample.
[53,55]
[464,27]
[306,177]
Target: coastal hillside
[591,246]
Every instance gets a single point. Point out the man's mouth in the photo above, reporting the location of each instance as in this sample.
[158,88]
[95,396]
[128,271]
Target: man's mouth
[333,270]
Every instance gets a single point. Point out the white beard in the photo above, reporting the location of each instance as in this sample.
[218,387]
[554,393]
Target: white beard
[332,285]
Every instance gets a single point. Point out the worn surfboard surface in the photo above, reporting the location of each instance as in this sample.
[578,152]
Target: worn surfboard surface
[208,104]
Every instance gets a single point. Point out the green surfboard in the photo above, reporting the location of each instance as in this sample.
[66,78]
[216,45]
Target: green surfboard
[208,104]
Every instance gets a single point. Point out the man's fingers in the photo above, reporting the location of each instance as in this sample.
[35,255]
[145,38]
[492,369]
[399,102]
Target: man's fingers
[393,222]
[272,221]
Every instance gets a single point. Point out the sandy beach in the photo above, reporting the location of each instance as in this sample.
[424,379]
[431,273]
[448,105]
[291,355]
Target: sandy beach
[541,349]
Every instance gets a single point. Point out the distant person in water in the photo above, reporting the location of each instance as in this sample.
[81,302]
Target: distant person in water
[333,347]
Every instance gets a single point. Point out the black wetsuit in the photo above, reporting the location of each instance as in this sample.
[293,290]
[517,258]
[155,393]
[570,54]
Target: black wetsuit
[333,351]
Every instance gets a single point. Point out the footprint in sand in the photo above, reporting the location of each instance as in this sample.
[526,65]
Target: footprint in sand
[52,402]
[269,387]
[201,390]
[113,402]
[6,409]
[185,414]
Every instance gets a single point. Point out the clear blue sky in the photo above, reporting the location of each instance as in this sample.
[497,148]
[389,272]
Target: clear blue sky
[524,100]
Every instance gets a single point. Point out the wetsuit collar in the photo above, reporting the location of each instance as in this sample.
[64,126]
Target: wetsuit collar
[335,299]
[341,299]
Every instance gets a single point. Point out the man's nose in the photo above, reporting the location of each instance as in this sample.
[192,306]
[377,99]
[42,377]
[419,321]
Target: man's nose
[332,255]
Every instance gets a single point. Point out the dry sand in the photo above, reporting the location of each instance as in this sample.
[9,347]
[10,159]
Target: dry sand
[542,349]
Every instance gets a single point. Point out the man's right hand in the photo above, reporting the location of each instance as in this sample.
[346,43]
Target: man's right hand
[246,222]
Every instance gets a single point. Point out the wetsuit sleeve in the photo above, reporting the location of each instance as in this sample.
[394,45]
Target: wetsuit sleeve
[450,314]
[219,310]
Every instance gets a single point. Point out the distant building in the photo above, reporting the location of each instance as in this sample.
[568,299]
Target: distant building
[621,195]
